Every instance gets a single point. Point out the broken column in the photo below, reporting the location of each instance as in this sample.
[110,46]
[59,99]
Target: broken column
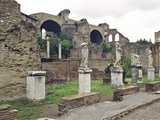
[36,85]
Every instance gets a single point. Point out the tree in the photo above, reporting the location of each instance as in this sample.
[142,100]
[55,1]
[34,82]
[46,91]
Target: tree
[66,44]
[106,47]
[126,64]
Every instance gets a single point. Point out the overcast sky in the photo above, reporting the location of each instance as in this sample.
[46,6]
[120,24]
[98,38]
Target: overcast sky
[134,18]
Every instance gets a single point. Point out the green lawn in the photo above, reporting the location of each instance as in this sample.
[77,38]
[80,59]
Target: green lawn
[28,110]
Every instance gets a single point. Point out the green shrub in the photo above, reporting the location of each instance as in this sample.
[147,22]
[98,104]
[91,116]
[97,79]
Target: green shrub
[126,62]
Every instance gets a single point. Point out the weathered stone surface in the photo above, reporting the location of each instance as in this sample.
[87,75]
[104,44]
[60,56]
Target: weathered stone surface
[117,95]
[127,90]
[152,87]
[36,85]
[151,73]
[78,100]
[116,77]
[7,113]
[18,49]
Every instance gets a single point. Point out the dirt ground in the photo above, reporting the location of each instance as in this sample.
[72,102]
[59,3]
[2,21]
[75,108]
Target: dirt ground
[151,112]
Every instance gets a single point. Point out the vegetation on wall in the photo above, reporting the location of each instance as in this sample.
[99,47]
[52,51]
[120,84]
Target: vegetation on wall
[106,47]
[66,44]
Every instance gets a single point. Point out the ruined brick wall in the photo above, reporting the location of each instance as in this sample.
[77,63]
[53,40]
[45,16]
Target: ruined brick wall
[68,69]
[18,50]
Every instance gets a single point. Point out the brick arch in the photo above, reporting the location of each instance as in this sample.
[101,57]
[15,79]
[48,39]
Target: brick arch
[96,37]
[51,26]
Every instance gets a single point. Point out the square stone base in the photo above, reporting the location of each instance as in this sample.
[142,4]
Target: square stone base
[78,100]
[84,81]
[117,77]
[151,73]
[36,85]
[137,73]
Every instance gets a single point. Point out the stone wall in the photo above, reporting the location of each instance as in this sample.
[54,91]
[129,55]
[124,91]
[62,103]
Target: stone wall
[140,49]
[18,50]
[68,69]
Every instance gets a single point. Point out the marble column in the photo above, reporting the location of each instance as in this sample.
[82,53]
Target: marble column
[48,48]
[60,51]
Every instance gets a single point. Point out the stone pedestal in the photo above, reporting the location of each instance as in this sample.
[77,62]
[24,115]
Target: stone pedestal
[151,73]
[137,73]
[36,85]
[116,76]
[84,80]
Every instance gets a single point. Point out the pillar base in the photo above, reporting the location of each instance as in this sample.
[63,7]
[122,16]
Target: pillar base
[84,80]
[36,85]
[117,77]
[151,73]
[137,73]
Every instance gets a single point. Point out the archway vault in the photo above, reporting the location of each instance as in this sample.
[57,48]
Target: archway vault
[51,26]
[96,37]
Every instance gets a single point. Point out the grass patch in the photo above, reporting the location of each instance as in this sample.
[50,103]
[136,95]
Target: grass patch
[28,110]
[103,89]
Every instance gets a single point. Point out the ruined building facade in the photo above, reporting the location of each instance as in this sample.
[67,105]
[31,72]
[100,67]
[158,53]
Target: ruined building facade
[79,31]
[19,51]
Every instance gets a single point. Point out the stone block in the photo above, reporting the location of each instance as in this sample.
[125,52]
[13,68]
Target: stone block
[7,113]
[152,87]
[127,90]
[117,95]
[78,100]
[36,85]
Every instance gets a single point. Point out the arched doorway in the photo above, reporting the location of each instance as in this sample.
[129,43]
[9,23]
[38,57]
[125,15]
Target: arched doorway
[51,26]
[96,37]
[50,30]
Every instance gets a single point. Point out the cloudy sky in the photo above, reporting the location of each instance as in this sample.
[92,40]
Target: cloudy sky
[134,18]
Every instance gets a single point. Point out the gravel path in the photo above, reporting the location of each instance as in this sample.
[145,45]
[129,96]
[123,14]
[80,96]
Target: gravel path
[151,112]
